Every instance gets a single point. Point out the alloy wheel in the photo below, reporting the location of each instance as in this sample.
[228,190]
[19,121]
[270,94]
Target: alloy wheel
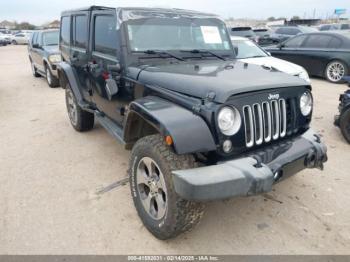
[335,71]
[48,76]
[72,107]
[151,188]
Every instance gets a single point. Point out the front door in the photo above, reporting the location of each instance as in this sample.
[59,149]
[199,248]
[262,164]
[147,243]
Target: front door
[104,49]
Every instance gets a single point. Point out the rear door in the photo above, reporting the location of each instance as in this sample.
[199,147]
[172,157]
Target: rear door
[35,49]
[104,49]
[315,53]
[290,51]
[78,55]
[65,37]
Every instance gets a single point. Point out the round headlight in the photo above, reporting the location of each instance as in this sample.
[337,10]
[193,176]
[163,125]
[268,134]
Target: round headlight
[306,103]
[229,121]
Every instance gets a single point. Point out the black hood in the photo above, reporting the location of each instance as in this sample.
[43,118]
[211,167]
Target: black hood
[225,78]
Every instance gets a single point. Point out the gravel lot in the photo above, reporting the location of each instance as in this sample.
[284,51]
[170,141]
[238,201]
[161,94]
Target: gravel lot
[50,176]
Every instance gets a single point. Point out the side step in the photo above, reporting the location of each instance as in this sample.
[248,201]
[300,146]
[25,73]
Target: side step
[112,128]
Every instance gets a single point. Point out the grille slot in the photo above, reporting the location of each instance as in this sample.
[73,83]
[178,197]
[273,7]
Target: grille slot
[265,122]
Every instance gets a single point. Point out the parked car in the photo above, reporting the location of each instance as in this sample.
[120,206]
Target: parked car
[322,54]
[343,119]
[248,52]
[265,37]
[245,32]
[200,124]
[330,27]
[20,39]
[285,32]
[5,38]
[44,55]
[3,42]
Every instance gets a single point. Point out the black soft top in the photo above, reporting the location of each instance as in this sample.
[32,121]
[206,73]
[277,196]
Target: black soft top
[130,13]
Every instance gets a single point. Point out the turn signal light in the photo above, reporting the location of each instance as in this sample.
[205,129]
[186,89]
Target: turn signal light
[169,140]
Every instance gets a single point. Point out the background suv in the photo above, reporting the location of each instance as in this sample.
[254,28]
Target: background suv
[44,55]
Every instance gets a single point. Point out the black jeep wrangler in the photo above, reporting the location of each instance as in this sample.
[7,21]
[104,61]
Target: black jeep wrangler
[343,119]
[201,125]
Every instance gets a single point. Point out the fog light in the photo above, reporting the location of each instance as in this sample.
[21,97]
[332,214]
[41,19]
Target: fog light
[227,146]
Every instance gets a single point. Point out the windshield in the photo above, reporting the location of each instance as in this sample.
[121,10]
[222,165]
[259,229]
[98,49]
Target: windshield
[247,49]
[50,38]
[177,34]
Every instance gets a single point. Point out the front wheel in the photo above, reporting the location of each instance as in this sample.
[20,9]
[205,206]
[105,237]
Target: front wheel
[335,71]
[161,210]
[81,120]
[34,71]
[52,81]
[345,124]
[14,42]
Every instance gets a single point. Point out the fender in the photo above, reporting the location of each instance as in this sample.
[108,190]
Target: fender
[71,76]
[189,132]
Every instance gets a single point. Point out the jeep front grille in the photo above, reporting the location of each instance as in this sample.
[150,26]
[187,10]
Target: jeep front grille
[265,122]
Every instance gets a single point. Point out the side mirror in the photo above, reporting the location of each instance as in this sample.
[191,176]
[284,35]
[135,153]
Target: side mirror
[111,88]
[280,46]
[36,46]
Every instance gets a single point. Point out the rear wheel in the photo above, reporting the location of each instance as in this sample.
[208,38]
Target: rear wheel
[81,120]
[335,71]
[161,210]
[345,124]
[52,81]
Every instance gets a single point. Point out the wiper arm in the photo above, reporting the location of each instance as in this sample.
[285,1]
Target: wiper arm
[199,51]
[160,52]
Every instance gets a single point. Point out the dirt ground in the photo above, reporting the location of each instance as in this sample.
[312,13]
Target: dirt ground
[50,177]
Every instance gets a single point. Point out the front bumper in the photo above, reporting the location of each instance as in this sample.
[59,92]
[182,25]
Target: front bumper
[254,174]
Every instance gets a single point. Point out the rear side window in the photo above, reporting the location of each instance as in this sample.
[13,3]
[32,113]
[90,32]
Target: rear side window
[335,43]
[105,35]
[80,31]
[65,30]
[318,41]
[296,41]
[345,26]
[35,38]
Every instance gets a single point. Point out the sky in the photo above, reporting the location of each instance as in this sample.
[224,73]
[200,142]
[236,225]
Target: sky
[42,11]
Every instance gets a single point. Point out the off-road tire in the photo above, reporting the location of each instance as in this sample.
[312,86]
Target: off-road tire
[84,120]
[344,124]
[51,80]
[181,215]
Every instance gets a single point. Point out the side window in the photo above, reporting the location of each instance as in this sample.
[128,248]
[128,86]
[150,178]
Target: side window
[318,41]
[335,43]
[105,35]
[80,31]
[293,31]
[345,26]
[65,30]
[280,31]
[34,38]
[295,41]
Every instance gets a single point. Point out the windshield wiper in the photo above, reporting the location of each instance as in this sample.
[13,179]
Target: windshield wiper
[161,52]
[200,51]
[257,56]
